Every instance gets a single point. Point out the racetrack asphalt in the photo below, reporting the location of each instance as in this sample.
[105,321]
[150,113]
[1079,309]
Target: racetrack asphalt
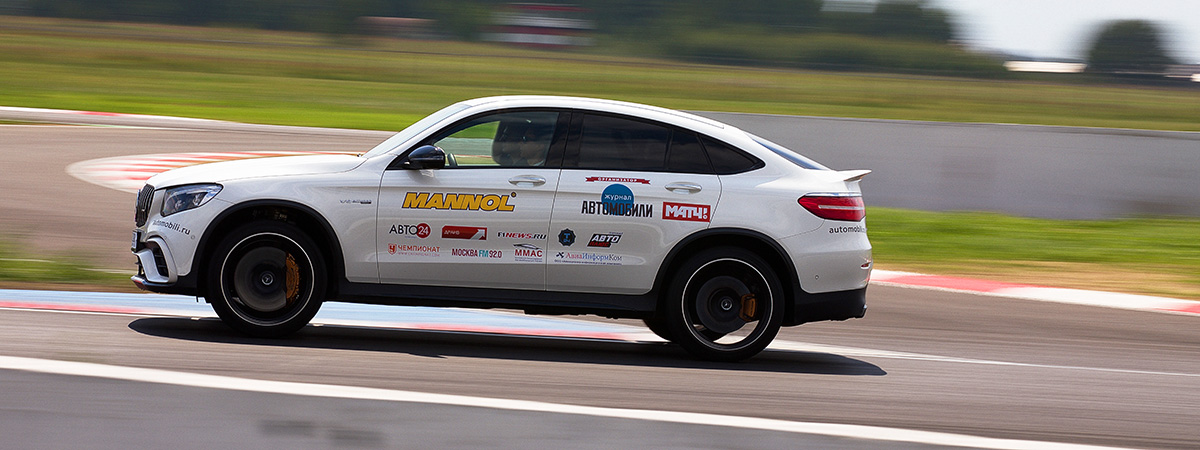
[922,360]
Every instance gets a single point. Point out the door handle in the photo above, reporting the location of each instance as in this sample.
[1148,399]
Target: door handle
[527,180]
[684,188]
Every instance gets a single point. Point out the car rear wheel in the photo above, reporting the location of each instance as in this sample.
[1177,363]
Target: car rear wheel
[724,304]
[267,279]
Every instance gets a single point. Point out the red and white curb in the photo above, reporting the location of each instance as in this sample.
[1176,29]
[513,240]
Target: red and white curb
[71,112]
[129,173]
[1037,293]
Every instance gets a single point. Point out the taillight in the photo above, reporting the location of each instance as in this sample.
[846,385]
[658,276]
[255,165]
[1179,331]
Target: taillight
[847,207]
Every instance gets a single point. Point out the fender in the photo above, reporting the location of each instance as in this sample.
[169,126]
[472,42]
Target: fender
[335,262]
[791,279]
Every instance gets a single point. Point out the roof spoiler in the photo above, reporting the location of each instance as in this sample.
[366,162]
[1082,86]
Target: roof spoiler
[853,175]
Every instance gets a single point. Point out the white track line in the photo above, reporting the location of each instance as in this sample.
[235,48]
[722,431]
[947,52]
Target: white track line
[362,393]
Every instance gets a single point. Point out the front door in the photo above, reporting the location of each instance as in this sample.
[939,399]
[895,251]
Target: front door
[482,221]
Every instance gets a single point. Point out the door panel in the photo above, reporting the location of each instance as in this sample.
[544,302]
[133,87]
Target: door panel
[623,202]
[482,221]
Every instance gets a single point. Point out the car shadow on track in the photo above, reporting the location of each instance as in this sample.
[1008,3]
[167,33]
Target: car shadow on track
[440,344]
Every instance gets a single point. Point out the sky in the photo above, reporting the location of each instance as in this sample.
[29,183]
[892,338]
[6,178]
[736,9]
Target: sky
[1065,28]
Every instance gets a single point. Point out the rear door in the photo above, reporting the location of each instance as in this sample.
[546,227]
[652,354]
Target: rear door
[629,190]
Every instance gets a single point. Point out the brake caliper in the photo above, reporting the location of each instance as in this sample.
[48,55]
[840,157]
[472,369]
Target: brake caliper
[293,279]
[749,310]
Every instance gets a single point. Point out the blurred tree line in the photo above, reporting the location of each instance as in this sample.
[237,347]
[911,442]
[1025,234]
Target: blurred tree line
[1129,47]
[904,35]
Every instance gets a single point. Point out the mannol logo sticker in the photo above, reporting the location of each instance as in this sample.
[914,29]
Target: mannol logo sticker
[617,200]
[472,233]
[687,212]
[458,202]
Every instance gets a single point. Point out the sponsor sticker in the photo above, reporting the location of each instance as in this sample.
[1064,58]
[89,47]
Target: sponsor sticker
[687,212]
[457,232]
[617,180]
[414,250]
[476,253]
[849,229]
[458,202]
[420,230]
[527,253]
[172,226]
[599,259]
[604,240]
[566,237]
[617,200]
[521,236]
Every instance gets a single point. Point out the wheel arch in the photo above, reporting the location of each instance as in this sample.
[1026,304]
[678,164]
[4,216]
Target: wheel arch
[754,241]
[300,215]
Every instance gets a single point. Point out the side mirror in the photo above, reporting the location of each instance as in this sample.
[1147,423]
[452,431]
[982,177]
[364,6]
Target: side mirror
[424,157]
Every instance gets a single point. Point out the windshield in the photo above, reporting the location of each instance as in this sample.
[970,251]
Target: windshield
[792,156]
[415,129]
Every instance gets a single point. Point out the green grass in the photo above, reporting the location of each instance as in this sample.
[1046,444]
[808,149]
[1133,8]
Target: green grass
[18,269]
[302,79]
[1140,255]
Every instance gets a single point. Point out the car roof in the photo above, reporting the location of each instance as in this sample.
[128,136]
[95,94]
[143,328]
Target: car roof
[702,124]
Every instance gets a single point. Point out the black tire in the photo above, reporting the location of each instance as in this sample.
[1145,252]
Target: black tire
[266,279]
[724,304]
[659,327]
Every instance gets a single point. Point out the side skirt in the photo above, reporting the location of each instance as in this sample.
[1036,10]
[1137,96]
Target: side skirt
[532,302]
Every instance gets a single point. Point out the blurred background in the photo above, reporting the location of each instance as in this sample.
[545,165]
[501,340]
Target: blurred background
[1091,176]
[962,37]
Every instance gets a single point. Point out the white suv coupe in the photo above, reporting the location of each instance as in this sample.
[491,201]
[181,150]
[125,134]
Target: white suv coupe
[551,205]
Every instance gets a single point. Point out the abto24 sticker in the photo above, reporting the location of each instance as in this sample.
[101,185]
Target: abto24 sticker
[420,230]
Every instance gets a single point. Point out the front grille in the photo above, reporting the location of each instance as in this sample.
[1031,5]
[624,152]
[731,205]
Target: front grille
[143,205]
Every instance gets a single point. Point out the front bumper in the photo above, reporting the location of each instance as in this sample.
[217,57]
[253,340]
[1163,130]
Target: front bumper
[184,286]
[156,269]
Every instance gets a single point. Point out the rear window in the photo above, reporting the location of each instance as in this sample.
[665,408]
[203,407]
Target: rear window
[792,156]
[727,161]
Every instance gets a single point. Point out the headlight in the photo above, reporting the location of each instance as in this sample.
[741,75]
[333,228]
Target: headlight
[183,198]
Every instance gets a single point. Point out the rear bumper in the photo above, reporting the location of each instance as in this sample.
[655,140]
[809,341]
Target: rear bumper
[839,305]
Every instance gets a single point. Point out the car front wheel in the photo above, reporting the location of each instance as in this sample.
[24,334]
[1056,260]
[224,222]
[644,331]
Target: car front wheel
[266,279]
[724,304]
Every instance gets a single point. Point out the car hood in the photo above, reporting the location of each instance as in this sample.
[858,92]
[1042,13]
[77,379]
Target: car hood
[219,172]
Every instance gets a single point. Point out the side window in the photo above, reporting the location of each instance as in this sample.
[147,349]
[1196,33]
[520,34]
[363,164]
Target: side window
[726,160]
[510,139]
[686,154]
[622,144]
